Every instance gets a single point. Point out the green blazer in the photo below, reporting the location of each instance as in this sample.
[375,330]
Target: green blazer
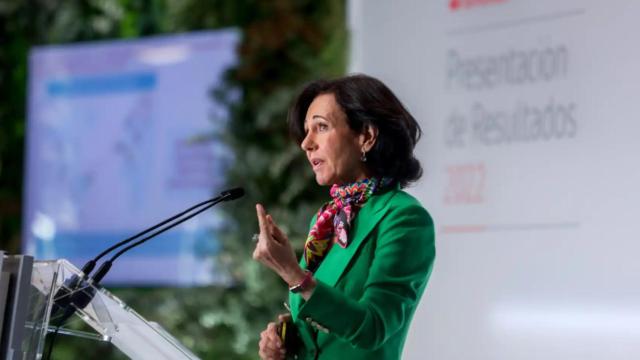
[367,292]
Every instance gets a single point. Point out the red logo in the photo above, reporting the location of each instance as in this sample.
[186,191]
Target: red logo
[468,4]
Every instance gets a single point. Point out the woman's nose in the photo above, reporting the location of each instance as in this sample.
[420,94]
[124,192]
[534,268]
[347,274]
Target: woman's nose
[307,143]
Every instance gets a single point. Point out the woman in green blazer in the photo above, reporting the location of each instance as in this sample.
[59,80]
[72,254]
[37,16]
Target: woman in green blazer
[370,249]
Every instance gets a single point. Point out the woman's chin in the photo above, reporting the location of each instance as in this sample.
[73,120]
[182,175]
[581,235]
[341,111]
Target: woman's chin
[323,180]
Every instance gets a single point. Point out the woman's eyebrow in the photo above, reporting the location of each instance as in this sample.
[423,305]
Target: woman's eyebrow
[316,118]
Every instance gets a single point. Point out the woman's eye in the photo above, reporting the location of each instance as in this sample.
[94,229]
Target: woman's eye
[323,127]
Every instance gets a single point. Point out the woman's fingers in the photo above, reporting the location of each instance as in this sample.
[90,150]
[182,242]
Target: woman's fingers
[260,252]
[262,222]
[268,229]
[276,232]
[270,344]
[272,335]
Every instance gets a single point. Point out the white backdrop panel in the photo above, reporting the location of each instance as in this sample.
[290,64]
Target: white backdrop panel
[530,153]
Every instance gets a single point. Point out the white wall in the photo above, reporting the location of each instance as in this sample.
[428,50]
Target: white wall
[531,156]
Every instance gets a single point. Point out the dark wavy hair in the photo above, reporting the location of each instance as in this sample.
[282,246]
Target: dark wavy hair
[366,101]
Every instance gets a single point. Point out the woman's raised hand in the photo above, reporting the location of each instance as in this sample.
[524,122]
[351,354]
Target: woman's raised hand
[274,250]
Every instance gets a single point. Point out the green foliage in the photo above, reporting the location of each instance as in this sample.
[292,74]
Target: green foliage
[285,43]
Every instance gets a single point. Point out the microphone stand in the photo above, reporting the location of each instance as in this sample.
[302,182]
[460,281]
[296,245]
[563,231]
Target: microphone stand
[77,292]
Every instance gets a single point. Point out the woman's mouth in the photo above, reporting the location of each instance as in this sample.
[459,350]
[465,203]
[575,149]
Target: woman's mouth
[315,163]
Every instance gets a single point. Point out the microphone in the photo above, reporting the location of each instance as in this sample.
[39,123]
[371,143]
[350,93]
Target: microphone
[232,194]
[78,292]
[229,194]
[226,195]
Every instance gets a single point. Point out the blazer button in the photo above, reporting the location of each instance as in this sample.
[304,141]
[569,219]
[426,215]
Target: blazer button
[322,328]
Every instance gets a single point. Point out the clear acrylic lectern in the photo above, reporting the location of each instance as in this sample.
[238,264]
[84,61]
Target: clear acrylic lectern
[111,319]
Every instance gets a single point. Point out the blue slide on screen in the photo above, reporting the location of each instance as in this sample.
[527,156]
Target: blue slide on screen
[117,141]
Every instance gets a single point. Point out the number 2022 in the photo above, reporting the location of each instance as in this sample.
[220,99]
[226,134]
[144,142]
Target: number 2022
[465,184]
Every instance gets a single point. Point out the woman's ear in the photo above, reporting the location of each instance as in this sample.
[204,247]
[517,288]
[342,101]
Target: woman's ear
[368,137]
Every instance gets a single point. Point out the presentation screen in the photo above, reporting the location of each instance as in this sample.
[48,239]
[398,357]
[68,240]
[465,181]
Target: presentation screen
[120,136]
[529,113]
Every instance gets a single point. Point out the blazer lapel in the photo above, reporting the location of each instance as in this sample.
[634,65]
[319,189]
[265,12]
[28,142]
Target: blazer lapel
[338,258]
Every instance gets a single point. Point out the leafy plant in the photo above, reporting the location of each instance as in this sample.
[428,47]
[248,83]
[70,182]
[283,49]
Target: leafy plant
[285,43]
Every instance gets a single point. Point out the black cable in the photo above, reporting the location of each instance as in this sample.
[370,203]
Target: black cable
[69,311]
[47,356]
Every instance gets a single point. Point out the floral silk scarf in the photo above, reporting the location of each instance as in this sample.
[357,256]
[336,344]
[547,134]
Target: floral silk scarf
[335,218]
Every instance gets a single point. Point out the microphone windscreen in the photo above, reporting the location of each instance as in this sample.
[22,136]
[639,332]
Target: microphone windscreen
[232,194]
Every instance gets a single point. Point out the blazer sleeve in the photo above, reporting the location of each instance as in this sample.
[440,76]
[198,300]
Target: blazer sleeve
[404,255]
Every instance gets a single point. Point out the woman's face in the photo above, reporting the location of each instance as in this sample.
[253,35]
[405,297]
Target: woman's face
[332,148]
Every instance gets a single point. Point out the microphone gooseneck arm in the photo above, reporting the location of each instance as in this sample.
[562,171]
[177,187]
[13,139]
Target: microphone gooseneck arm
[106,266]
[227,195]
[88,267]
